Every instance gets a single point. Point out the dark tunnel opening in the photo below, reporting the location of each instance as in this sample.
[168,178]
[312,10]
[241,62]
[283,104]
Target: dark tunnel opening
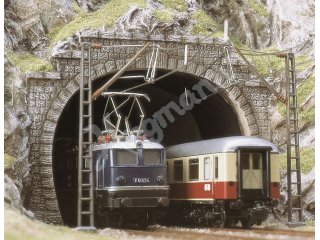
[212,118]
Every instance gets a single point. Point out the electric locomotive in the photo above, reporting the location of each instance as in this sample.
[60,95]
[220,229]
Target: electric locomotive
[130,172]
[219,182]
[130,182]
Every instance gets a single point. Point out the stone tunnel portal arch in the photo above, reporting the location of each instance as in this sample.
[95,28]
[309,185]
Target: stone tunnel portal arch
[214,117]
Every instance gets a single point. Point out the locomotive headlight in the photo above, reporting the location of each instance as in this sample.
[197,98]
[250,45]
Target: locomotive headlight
[139,144]
[163,202]
[121,180]
[160,179]
[126,202]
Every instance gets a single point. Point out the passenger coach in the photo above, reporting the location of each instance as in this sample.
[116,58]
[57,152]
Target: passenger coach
[222,181]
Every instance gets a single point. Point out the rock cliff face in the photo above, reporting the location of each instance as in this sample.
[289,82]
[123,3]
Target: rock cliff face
[292,24]
[35,27]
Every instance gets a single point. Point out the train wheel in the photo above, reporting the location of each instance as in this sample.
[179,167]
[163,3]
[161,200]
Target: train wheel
[221,222]
[115,220]
[246,222]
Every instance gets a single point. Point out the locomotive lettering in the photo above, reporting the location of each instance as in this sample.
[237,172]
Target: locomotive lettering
[141,180]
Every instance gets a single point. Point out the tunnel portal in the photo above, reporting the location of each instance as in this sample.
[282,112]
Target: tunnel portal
[52,99]
[212,118]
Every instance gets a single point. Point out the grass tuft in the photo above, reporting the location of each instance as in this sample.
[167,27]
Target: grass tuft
[165,15]
[258,7]
[304,90]
[179,5]
[19,227]
[29,62]
[8,160]
[307,116]
[106,16]
[307,159]
[205,25]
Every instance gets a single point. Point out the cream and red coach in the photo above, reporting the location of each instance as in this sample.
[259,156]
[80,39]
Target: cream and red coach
[223,181]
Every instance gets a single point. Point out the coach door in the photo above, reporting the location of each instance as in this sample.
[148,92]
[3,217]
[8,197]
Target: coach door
[252,172]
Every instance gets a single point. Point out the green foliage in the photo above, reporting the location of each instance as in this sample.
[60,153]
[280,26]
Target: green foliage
[76,8]
[305,88]
[29,62]
[165,15]
[179,5]
[8,161]
[260,26]
[307,116]
[282,109]
[307,159]
[19,227]
[205,25]
[303,92]
[267,64]
[302,62]
[105,16]
[258,7]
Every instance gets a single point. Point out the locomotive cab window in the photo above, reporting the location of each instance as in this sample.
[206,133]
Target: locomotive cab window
[152,156]
[194,169]
[126,157]
[178,170]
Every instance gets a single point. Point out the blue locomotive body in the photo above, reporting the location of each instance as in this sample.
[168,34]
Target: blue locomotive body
[130,182]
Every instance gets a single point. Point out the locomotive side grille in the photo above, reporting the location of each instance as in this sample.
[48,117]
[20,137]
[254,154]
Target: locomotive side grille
[144,202]
[139,193]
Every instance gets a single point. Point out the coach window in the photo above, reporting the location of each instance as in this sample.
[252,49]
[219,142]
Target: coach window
[207,169]
[194,169]
[216,167]
[178,170]
[256,161]
[245,160]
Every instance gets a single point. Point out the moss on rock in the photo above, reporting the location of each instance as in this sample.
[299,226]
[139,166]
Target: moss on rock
[258,7]
[164,15]
[8,160]
[29,62]
[307,159]
[106,16]
[179,5]
[205,25]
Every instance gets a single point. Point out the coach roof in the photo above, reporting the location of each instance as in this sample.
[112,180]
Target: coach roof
[218,145]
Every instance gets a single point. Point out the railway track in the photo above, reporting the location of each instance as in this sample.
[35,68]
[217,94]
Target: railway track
[160,232]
